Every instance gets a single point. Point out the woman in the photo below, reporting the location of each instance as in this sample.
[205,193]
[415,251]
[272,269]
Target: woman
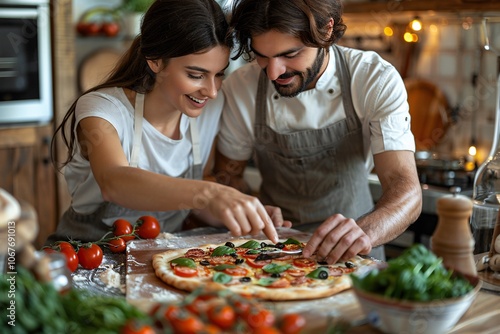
[139,141]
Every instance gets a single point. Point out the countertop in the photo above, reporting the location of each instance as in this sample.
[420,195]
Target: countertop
[482,317]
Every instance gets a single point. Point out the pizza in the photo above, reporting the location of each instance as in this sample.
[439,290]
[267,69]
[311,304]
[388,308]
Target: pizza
[256,268]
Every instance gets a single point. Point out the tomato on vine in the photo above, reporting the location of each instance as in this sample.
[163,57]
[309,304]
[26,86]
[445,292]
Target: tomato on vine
[223,316]
[122,227]
[90,256]
[134,327]
[292,323]
[117,245]
[69,252]
[147,227]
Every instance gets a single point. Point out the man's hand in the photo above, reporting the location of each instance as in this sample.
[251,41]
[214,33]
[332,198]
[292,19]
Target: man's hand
[338,238]
[277,217]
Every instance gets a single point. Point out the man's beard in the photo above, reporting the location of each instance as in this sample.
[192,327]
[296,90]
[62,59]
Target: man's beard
[305,78]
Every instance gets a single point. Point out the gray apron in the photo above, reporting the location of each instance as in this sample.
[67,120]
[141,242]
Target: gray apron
[312,174]
[91,227]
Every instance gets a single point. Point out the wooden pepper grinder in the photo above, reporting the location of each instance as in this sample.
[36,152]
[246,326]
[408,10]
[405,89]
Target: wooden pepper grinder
[452,240]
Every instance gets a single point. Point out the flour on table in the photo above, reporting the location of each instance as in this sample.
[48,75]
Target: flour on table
[111,278]
[165,235]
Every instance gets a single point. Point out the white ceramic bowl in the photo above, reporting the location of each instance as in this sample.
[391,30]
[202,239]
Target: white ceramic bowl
[405,317]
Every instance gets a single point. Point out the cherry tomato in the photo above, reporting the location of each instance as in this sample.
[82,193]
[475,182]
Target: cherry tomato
[241,307]
[90,256]
[134,327]
[222,315]
[185,271]
[260,317]
[187,323]
[64,245]
[210,329]
[71,257]
[93,28]
[148,227]
[304,263]
[117,245]
[266,330]
[110,29]
[49,250]
[122,227]
[292,323]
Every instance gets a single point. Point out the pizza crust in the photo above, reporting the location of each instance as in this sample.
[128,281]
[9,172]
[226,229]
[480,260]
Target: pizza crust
[161,265]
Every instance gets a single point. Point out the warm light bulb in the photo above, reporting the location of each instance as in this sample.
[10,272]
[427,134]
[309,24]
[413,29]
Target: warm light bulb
[472,150]
[388,31]
[408,37]
[416,25]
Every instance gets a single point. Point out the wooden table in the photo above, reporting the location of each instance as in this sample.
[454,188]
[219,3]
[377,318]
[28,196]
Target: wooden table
[143,288]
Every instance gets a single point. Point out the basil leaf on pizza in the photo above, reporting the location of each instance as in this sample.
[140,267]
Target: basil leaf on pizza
[184,262]
[222,278]
[223,250]
[250,244]
[274,268]
[234,266]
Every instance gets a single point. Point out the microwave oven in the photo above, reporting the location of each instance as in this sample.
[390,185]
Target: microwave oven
[25,62]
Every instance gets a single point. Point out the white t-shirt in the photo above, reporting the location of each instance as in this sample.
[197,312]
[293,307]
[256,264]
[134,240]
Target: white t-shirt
[378,94]
[158,153]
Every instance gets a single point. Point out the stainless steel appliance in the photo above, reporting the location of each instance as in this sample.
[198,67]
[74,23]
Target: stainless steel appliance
[25,62]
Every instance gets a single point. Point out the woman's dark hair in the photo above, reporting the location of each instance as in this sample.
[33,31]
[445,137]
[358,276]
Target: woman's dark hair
[170,28]
[304,19]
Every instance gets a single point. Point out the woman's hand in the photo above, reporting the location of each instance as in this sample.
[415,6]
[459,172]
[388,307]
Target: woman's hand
[244,214]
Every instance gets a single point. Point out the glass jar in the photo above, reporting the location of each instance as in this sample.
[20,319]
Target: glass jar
[486,193]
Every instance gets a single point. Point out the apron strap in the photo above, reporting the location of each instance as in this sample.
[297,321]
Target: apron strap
[138,117]
[195,138]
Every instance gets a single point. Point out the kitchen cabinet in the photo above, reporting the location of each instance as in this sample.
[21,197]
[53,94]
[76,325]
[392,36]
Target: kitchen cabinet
[395,6]
[26,172]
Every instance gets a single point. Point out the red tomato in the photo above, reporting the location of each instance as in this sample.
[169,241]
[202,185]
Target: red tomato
[266,330]
[185,271]
[110,29]
[304,263]
[292,323]
[90,256]
[117,245]
[222,315]
[148,227]
[241,307]
[64,244]
[49,250]
[93,29]
[280,284]
[238,271]
[210,329]
[121,227]
[71,257]
[187,323]
[295,272]
[257,264]
[133,327]
[260,317]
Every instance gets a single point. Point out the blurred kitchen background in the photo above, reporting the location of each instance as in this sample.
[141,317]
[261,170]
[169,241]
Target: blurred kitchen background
[447,51]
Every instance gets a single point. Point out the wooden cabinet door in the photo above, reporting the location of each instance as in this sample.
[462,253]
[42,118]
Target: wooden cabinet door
[26,172]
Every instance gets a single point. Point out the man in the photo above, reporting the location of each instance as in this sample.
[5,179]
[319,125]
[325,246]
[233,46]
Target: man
[310,112]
